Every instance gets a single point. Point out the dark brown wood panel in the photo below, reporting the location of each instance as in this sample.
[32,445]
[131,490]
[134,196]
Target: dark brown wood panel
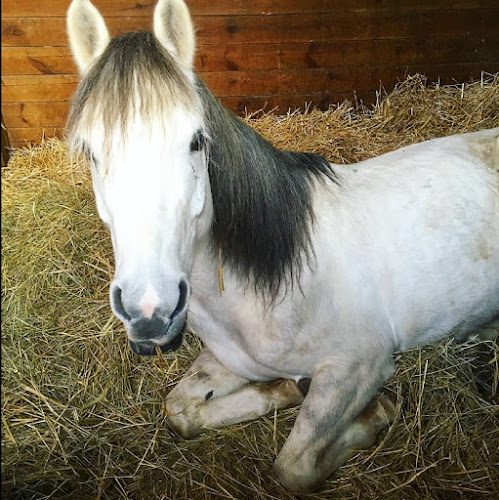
[118,8]
[306,55]
[320,80]
[33,32]
[270,56]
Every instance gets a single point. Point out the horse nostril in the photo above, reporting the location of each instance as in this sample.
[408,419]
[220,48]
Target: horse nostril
[118,304]
[183,298]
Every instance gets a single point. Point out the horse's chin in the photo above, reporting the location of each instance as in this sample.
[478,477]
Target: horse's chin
[149,349]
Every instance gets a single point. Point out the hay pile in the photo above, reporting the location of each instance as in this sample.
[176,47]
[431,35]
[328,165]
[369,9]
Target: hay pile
[82,418]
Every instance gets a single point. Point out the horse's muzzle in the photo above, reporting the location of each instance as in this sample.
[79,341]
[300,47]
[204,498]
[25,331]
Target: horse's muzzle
[150,329]
[149,349]
[145,335]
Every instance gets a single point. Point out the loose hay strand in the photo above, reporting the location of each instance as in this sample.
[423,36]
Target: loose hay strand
[84,418]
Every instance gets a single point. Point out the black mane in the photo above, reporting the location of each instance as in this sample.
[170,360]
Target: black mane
[262,200]
[132,62]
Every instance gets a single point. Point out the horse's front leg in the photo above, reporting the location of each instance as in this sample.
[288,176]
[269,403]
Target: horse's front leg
[337,418]
[209,397]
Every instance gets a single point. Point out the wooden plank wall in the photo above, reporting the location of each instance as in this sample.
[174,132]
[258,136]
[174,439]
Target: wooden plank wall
[258,54]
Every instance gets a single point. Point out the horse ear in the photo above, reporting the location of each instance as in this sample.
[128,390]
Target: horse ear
[173,28]
[87,32]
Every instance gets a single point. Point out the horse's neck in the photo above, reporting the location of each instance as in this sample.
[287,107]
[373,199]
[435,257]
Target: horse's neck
[213,275]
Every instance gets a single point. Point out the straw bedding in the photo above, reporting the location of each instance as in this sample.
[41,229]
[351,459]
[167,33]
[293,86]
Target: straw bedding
[82,417]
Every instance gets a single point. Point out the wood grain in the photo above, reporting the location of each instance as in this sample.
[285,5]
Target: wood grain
[36,114]
[38,88]
[269,56]
[118,8]
[37,61]
[33,32]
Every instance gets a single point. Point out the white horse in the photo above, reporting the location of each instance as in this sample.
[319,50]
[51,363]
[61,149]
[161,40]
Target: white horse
[327,269]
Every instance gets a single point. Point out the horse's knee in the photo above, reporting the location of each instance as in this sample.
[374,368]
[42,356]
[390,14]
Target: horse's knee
[303,470]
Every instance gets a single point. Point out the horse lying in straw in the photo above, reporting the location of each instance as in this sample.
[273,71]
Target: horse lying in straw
[328,269]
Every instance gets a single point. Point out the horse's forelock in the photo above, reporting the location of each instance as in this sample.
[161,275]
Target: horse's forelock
[135,76]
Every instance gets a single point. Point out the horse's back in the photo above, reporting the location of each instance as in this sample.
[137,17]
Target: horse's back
[420,226]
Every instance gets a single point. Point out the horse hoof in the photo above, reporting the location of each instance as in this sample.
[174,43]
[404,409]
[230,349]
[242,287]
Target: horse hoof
[183,428]
[182,420]
[294,481]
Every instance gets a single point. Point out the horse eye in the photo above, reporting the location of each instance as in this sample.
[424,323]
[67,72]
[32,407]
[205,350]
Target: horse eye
[198,141]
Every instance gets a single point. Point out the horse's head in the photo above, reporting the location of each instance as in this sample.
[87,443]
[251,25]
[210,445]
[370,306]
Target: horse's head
[137,117]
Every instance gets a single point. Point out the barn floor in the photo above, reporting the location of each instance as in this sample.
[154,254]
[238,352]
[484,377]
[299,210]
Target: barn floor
[83,418]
